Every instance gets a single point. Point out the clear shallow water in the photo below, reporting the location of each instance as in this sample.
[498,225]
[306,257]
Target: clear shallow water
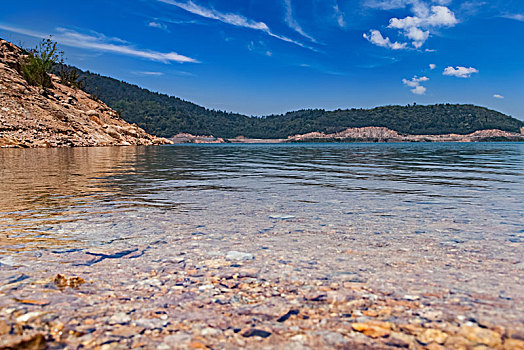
[402,219]
[89,197]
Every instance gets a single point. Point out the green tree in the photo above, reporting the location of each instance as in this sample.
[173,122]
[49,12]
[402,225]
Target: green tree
[39,62]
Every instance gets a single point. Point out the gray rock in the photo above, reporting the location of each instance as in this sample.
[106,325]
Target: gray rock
[152,323]
[332,338]
[177,339]
[120,318]
[234,255]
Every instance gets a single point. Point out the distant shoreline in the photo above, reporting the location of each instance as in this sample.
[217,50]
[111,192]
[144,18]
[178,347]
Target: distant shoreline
[355,135]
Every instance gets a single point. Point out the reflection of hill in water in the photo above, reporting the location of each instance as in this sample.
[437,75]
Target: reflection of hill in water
[92,196]
[42,188]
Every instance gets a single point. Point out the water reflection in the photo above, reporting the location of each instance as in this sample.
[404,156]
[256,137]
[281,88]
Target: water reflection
[51,197]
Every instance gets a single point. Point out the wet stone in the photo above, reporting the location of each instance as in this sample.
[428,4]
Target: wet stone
[120,318]
[235,255]
[432,335]
[256,333]
[481,335]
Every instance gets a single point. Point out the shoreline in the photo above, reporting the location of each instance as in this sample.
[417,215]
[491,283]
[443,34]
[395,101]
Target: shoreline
[365,134]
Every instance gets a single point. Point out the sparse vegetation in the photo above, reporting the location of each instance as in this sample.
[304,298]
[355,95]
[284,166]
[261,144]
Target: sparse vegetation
[39,62]
[70,77]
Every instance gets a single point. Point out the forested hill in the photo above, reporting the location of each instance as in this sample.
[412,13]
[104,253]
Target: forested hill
[166,116]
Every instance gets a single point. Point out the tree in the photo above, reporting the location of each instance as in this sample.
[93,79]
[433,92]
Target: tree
[39,62]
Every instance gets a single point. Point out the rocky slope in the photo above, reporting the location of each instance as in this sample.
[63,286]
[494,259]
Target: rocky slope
[381,134]
[366,134]
[57,117]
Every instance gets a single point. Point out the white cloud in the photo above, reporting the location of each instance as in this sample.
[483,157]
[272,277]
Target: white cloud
[515,16]
[231,18]
[99,42]
[500,97]
[417,28]
[387,4]
[375,37]
[157,25]
[339,15]
[432,66]
[292,22]
[155,74]
[419,90]
[460,72]
[426,17]
[415,84]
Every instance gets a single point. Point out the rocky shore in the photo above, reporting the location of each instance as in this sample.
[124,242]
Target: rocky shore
[57,117]
[193,293]
[366,134]
[381,134]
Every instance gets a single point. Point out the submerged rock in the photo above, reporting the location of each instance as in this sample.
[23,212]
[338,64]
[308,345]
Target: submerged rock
[234,255]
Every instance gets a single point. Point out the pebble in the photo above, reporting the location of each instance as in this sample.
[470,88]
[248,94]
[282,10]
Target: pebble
[432,335]
[373,329]
[253,332]
[120,318]
[235,255]
[29,316]
[154,323]
[481,335]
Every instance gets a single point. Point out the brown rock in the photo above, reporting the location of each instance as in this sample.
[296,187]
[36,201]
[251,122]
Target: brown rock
[34,341]
[432,336]
[62,281]
[373,329]
[434,346]
[481,335]
[5,328]
[401,340]
[457,343]
[513,344]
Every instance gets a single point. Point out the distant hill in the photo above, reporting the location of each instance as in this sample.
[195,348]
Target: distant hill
[166,116]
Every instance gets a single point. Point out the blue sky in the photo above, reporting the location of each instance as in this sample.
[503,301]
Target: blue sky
[261,57]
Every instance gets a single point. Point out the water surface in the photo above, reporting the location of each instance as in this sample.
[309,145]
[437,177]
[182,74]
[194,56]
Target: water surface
[84,197]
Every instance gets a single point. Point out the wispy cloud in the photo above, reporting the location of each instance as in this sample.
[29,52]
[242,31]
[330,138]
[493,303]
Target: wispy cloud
[515,16]
[432,66]
[460,72]
[339,16]
[500,97]
[232,19]
[292,22]
[415,84]
[99,42]
[157,25]
[259,47]
[154,74]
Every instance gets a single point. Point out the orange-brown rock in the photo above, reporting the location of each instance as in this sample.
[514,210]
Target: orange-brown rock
[481,336]
[59,116]
[513,344]
[431,335]
[373,329]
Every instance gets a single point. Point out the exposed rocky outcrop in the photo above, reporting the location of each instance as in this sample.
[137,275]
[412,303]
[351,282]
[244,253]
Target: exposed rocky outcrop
[381,134]
[366,134]
[60,116]
[188,138]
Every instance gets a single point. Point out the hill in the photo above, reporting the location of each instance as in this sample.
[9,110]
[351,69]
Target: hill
[166,116]
[58,115]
